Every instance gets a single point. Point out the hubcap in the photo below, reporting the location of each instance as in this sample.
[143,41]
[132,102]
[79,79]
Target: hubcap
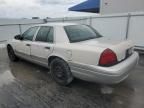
[59,72]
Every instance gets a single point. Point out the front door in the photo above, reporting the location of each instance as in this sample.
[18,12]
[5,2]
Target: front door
[23,47]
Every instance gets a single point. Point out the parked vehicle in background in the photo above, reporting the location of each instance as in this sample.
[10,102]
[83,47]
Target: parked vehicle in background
[73,50]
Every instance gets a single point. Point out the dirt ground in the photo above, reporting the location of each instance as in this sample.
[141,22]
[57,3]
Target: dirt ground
[26,85]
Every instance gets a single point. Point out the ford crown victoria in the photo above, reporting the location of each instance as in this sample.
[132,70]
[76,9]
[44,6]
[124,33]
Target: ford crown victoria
[74,50]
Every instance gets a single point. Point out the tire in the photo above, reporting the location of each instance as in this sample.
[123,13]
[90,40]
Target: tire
[60,72]
[11,54]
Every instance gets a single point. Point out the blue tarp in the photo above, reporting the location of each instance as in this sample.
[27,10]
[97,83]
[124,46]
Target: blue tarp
[87,6]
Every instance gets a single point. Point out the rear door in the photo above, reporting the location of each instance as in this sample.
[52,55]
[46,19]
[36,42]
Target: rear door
[23,47]
[42,47]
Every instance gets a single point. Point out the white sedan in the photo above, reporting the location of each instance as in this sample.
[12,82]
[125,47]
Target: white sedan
[73,50]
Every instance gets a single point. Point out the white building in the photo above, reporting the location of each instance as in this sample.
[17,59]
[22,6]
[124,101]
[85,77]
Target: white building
[121,6]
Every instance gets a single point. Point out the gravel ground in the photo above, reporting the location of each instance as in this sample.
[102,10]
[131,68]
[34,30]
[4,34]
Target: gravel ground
[26,85]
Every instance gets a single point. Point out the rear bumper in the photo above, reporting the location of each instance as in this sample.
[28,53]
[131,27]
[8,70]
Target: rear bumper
[107,75]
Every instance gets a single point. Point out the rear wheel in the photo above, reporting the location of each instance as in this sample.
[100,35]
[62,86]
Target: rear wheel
[11,54]
[60,72]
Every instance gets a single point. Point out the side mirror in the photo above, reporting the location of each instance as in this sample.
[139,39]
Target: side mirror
[18,37]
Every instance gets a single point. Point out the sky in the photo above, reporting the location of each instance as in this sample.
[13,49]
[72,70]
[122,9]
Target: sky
[38,8]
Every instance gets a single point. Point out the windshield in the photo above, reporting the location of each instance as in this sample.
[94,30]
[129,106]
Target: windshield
[77,33]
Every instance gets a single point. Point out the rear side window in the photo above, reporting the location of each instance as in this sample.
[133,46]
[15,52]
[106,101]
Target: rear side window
[29,34]
[50,35]
[77,33]
[45,34]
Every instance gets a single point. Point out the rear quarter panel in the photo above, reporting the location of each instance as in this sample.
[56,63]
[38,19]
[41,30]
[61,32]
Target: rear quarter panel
[79,53]
[86,55]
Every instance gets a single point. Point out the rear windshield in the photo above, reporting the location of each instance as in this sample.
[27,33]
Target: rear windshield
[77,33]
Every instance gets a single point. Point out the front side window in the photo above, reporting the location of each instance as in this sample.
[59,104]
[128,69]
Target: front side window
[77,33]
[29,34]
[45,34]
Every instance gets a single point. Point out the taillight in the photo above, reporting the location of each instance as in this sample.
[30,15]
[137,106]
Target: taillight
[108,58]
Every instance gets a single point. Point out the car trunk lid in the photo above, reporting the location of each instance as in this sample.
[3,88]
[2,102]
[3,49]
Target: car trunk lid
[121,48]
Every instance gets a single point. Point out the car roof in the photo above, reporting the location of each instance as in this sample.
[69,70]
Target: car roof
[57,24]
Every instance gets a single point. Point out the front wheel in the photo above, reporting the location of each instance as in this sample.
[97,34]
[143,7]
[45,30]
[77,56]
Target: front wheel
[11,54]
[60,72]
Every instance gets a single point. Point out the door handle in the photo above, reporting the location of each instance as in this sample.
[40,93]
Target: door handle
[47,47]
[28,45]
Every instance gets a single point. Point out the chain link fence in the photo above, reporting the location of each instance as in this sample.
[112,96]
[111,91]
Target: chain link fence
[117,27]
